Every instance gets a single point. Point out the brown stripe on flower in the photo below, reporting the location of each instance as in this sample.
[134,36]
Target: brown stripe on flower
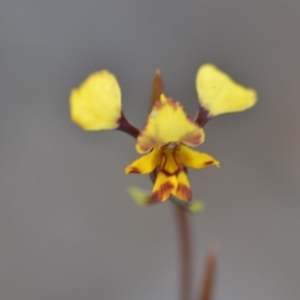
[169,101]
[145,142]
[163,191]
[170,174]
[193,139]
[184,192]
[164,160]
[134,170]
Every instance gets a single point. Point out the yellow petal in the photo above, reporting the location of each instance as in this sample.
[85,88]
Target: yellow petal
[219,94]
[164,186]
[144,164]
[183,191]
[167,123]
[194,159]
[96,104]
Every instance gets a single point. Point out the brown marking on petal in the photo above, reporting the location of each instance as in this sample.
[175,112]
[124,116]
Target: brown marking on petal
[145,149]
[170,173]
[194,140]
[164,189]
[184,192]
[146,146]
[175,157]
[210,162]
[164,159]
[134,170]
[158,105]
[151,142]
[171,102]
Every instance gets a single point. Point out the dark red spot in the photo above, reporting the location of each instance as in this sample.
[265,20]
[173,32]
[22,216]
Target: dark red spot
[210,162]
[169,173]
[134,170]
[194,139]
[173,103]
[159,104]
[164,159]
[184,192]
[164,189]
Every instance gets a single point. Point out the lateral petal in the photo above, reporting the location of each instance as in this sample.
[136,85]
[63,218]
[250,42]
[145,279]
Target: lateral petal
[145,164]
[96,103]
[164,186]
[168,122]
[194,159]
[219,94]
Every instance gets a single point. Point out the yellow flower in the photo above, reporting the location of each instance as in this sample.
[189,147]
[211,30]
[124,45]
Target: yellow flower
[219,94]
[168,133]
[96,104]
[164,139]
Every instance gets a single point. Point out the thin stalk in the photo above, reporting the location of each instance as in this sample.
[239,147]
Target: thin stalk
[185,248]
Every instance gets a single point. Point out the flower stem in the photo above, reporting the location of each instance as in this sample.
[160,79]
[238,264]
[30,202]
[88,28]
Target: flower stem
[184,237]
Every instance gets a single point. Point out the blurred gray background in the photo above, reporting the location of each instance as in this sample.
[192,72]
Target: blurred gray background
[68,229]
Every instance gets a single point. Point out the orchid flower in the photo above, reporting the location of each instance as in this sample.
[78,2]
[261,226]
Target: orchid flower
[169,133]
